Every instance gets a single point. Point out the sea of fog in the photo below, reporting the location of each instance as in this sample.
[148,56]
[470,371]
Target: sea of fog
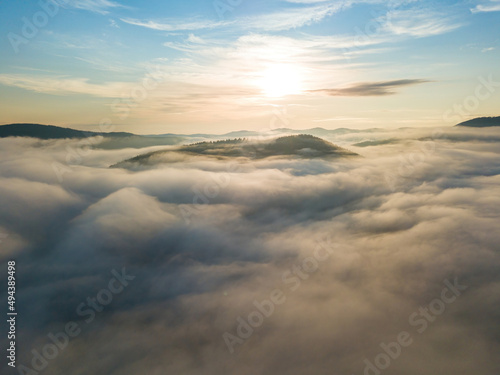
[387,263]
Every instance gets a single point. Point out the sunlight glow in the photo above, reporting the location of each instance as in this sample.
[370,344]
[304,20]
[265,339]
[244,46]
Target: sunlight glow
[281,80]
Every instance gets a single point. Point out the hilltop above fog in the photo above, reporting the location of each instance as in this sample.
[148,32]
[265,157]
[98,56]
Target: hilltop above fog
[301,146]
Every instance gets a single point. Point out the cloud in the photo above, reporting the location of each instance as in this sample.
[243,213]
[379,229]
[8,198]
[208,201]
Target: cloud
[491,6]
[190,84]
[371,88]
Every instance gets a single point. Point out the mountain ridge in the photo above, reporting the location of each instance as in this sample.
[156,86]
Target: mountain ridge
[111,140]
[43,131]
[481,122]
[114,140]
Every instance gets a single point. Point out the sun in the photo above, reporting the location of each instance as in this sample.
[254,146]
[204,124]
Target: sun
[280,80]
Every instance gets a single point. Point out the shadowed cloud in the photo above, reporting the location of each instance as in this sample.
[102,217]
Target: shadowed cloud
[372,88]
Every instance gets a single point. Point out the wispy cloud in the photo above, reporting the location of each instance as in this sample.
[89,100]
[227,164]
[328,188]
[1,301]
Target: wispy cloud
[96,6]
[57,85]
[286,19]
[491,6]
[411,22]
[172,25]
[371,88]
[419,23]
[293,18]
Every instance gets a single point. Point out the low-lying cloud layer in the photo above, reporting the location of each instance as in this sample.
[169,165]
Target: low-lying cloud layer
[205,239]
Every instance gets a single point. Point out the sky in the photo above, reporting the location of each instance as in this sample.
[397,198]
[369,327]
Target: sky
[218,66]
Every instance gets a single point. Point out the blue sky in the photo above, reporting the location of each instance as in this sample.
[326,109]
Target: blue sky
[179,66]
